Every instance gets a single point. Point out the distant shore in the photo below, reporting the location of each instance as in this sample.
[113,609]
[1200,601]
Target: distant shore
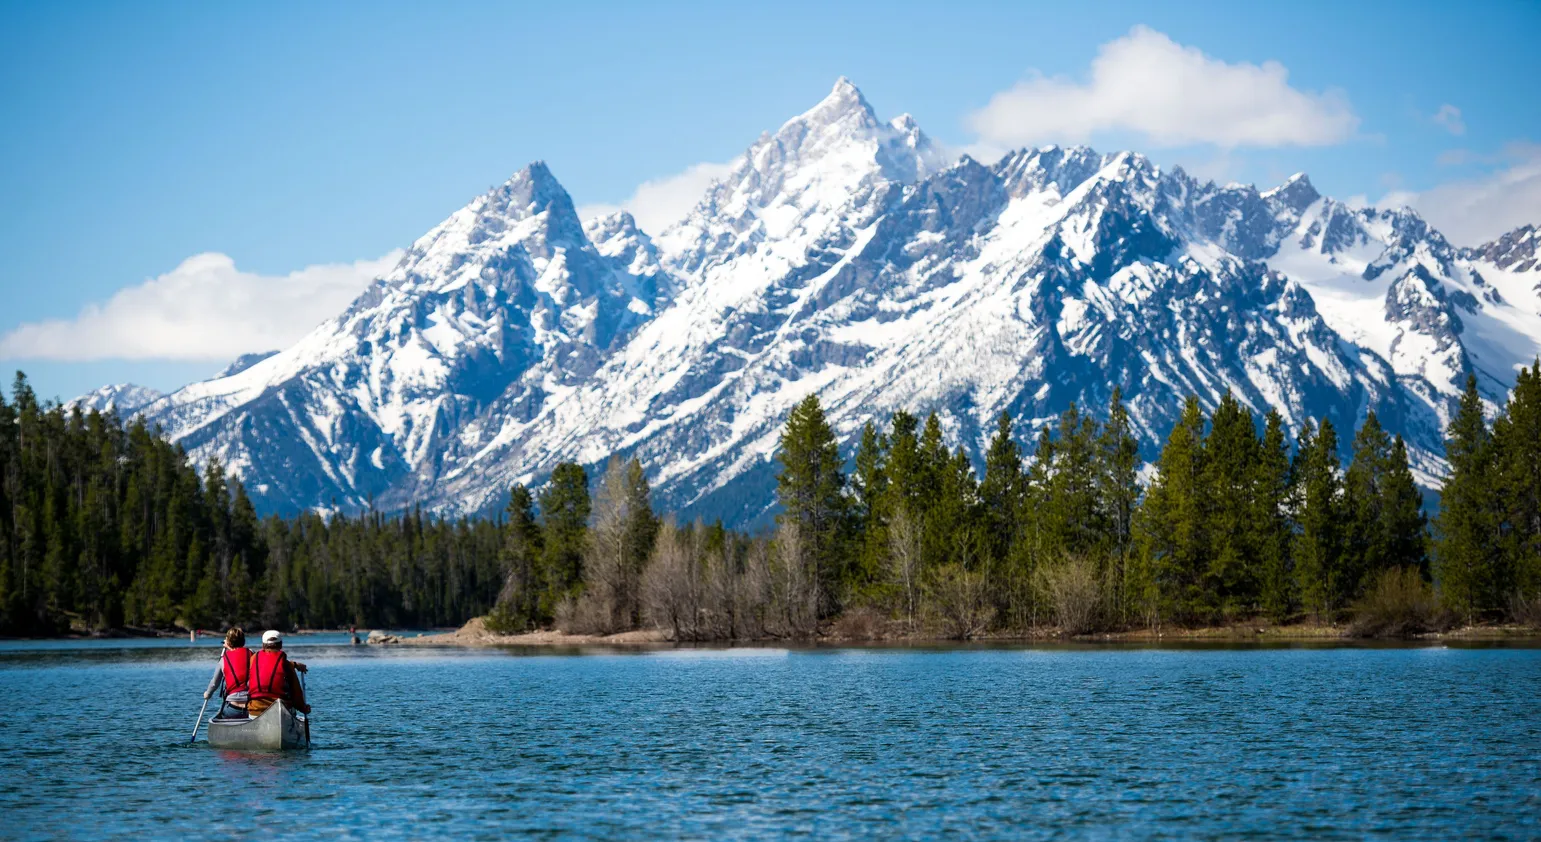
[476,634]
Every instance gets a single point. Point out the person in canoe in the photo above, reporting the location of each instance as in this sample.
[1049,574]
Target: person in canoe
[230,681]
[272,676]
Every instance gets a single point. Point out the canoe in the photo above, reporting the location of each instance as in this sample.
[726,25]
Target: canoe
[279,727]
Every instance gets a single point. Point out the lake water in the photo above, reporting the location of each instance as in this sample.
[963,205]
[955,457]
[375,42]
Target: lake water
[1427,742]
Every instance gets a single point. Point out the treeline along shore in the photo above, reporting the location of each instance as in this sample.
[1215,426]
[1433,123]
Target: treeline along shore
[105,524]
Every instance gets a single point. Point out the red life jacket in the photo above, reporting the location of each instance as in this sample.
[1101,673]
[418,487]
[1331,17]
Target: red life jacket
[266,678]
[236,664]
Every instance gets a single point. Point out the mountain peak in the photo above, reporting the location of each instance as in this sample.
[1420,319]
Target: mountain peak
[534,190]
[1296,193]
[844,104]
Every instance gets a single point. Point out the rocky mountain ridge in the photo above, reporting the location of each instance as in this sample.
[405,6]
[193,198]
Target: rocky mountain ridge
[850,256]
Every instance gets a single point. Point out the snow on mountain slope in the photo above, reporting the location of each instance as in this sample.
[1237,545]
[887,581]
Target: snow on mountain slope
[845,255]
[126,398]
[507,296]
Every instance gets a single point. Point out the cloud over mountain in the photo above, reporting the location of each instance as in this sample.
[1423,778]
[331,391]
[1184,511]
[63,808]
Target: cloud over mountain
[204,309]
[1147,84]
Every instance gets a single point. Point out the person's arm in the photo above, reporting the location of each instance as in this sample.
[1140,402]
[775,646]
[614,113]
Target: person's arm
[292,686]
[219,678]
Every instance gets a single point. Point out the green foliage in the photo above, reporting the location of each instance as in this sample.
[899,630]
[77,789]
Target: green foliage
[519,601]
[1172,529]
[1270,526]
[1319,540]
[1517,463]
[564,511]
[104,524]
[1467,552]
[811,490]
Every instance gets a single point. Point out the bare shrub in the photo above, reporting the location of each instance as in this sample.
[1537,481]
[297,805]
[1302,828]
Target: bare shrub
[861,622]
[1526,611]
[671,584]
[1399,604]
[1074,594]
[794,586]
[751,592]
[961,600]
[904,559]
[612,559]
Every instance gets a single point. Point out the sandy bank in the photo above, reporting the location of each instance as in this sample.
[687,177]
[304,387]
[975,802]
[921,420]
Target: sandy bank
[476,633]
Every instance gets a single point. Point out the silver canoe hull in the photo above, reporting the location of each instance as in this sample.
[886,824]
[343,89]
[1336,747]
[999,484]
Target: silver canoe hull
[279,727]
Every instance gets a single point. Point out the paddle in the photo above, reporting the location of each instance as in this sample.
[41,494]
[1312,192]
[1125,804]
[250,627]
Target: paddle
[304,691]
[198,723]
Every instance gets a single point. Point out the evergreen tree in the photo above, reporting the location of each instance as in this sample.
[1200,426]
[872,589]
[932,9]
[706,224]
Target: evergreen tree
[1170,525]
[1318,546]
[907,481]
[1270,523]
[1232,454]
[1467,547]
[564,511]
[1384,521]
[1406,525]
[518,607]
[811,490]
[1118,454]
[869,484]
[1000,492]
[1517,468]
[1072,508]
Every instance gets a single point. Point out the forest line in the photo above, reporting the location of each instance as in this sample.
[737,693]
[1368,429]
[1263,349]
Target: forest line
[104,524]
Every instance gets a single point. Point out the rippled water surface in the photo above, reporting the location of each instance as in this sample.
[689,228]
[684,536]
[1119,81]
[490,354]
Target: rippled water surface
[1008,743]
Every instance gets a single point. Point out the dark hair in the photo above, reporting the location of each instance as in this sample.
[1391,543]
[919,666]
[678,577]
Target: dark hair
[235,638]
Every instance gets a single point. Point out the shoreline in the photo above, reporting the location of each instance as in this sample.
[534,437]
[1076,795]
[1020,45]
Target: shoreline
[475,634]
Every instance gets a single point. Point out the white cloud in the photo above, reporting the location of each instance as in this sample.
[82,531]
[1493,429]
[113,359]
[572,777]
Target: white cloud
[1450,117]
[1475,210]
[1147,83]
[205,309]
[658,202]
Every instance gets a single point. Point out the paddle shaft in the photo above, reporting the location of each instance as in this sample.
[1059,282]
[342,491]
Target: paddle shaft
[198,723]
[304,691]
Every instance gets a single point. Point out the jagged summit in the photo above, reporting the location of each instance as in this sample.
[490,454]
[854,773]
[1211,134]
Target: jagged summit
[852,257]
[1517,251]
[1297,193]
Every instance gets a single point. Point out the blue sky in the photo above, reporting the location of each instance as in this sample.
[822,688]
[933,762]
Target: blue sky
[285,136]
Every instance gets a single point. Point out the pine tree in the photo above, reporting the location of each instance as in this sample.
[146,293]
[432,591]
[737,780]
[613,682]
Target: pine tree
[1072,508]
[1000,491]
[564,511]
[1119,490]
[1405,523]
[811,489]
[1366,548]
[1466,551]
[869,484]
[1517,458]
[1270,523]
[518,605]
[1318,546]
[1170,525]
[1231,457]
[907,482]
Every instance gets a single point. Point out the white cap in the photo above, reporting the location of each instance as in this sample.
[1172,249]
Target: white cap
[271,636]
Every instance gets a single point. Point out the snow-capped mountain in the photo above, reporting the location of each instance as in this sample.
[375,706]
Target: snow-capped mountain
[125,398]
[850,256]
